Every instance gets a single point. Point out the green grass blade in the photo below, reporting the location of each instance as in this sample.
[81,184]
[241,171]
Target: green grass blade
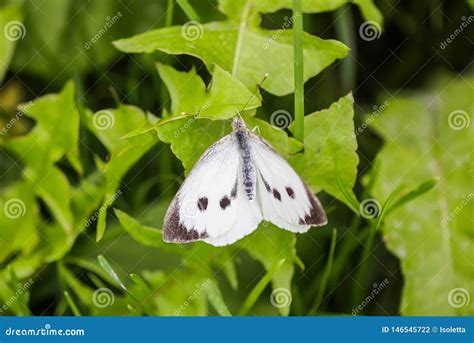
[258,289]
[72,304]
[327,273]
[214,296]
[110,271]
[298,69]
[188,10]
[169,13]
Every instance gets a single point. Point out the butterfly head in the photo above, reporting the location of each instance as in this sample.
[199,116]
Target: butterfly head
[238,124]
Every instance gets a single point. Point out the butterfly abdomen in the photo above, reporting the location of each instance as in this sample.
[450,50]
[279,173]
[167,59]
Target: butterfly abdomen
[249,175]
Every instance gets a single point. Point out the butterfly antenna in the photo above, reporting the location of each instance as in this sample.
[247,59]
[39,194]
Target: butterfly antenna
[259,85]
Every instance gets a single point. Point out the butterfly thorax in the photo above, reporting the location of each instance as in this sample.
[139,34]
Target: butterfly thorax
[247,168]
[238,124]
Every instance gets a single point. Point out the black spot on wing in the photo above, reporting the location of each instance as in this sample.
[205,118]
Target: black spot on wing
[290,192]
[176,232]
[225,202]
[202,204]
[316,215]
[276,194]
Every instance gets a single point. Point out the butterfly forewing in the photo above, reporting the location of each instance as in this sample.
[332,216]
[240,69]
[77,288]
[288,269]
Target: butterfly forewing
[205,205]
[283,197]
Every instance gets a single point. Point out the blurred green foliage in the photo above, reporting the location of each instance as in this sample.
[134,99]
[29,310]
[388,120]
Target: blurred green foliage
[91,158]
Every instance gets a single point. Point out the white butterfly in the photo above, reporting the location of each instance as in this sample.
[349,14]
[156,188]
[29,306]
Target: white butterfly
[238,182]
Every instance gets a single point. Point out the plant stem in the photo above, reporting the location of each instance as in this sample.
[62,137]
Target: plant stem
[72,304]
[169,13]
[298,68]
[188,10]
[327,272]
[345,32]
[240,37]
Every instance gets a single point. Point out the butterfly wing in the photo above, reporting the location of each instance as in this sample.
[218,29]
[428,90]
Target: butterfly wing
[210,204]
[283,197]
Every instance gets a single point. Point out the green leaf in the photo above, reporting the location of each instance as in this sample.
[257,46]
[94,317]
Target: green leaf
[217,45]
[54,42]
[54,136]
[72,304]
[234,9]
[259,288]
[110,125]
[18,219]
[226,95]
[146,235]
[273,246]
[216,300]
[412,194]
[12,30]
[370,12]
[326,274]
[184,294]
[329,161]
[110,271]
[432,235]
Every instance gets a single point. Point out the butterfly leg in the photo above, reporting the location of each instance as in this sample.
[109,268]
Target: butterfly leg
[257,128]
